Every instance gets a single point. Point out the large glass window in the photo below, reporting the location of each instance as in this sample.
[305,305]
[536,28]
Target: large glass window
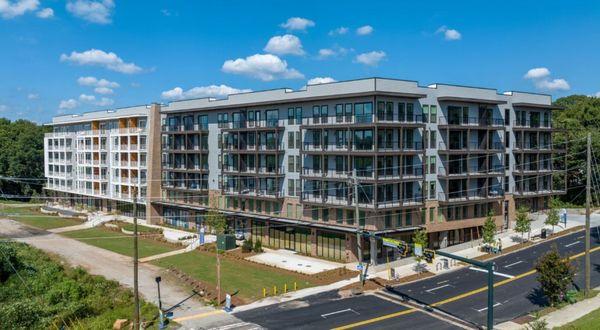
[363,139]
[363,112]
[272,118]
[339,113]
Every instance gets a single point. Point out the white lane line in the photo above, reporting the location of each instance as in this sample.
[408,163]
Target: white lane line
[339,312]
[571,244]
[514,263]
[495,273]
[580,237]
[484,309]
[446,281]
[437,288]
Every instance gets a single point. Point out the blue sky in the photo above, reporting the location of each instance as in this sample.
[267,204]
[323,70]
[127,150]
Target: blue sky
[81,55]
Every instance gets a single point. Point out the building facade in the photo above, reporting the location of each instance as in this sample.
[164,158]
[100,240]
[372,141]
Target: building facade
[99,160]
[305,169]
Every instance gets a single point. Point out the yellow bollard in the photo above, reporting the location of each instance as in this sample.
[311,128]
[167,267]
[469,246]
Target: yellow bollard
[274,290]
[264,292]
[285,288]
[295,286]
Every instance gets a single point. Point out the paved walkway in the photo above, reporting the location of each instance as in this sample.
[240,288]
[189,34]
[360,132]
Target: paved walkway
[163,255]
[562,316]
[293,261]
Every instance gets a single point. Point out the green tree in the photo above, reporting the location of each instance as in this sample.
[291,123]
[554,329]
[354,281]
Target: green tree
[489,229]
[555,275]
[216,221]
[523,222]
[553,218]
[420,237]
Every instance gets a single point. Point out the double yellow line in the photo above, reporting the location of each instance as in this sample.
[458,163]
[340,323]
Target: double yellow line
[452,299]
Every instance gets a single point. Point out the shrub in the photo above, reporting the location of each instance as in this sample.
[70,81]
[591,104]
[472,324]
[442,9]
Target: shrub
[258,247]
[247,246]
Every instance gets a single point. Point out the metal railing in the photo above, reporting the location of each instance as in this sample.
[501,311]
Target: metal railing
[471,121]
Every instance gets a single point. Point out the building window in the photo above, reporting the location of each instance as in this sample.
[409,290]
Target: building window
[507,117]
[298,140]
[431,165]
[339,217]
[298,187]
[361,218]
[432,139]
[432,214]
[388,220]
[291,140]
[315,214]
[291,190]
[325,215]
[432,189]
[291,166]
[339,113]
[408,215]
[298,165]
[433,114]
[291,116]
[298,115]
[425,112]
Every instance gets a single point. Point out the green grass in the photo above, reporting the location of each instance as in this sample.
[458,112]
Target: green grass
[141,229]
[245,277]
[32,217]
[590,321]
[118,242]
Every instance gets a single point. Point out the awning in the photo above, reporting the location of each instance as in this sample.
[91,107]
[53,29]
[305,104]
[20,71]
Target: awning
[537,106]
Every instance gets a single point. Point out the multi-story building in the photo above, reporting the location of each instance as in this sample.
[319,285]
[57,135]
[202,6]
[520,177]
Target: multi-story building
[304,170]
[100,160]
[282,164]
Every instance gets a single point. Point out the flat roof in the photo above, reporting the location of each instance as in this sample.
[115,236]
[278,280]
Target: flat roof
[470,100]
[108,114]
[537,106]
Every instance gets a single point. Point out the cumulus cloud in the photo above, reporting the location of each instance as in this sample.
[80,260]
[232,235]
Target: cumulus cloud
[364,30]
[105,101]
[537,73]
[87,98]
[371,58]
[449,34]
[103,90]
[297,23]
[98,12]
[326,52]
[68,104]
[10,9]
[33,96]
[178,93]
[334,51]
[320,80]
[266,67]
[541,79]
[45,13]
[285,44]
[95,82]
[96,57]
[339,31]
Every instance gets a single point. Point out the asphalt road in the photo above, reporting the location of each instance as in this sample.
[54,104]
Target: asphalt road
[459,293]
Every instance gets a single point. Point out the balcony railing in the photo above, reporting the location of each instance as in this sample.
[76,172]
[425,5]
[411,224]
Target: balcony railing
[467,170]
[532,124]
[471,121]
[471,146]
[472,194]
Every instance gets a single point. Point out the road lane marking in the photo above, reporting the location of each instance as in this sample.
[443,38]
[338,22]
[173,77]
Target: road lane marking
[197,316]
[452,299]
[485,309]
[234,325]
[339,312]
[571,244]
[442,282]
[437,288]
[495,273]
[513,264]
[580,237]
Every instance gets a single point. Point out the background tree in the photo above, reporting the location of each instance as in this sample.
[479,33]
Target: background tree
[420,238]
[523,223]
[555,275]
[489,229]
[581,115]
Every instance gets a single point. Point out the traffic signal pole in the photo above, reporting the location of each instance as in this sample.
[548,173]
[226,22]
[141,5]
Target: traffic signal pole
[358,231]
[489,266]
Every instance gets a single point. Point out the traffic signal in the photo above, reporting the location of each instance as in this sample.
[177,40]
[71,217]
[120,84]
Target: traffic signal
[429,255]
[403,249]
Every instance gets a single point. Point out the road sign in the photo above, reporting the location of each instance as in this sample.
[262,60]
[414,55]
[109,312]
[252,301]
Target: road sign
[359,267]
[418,250]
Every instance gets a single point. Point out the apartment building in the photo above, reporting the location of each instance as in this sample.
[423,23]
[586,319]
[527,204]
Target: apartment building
[100,160]
[281,164]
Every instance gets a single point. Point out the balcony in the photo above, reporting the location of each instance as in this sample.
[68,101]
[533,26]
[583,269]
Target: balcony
[533,124]
[494,192]
[495,147]
[466,122]
[533,168]
[464,171]
[252,192]
[184,128]
[251,125]
[539,193]
[412,119]
[534,146]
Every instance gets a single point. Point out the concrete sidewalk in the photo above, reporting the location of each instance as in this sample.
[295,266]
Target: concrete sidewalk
[562,316]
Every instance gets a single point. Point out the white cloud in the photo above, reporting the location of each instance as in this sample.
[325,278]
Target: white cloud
[371,58]
[92,11]
[597,94]
[537,73]
[265,67]
[32,96]
[285,44]
[45,13]
[553,85]
[364,30]
[10,9]
[334,51]
[68,104]
[320,80]
[96,57]
[449,34]
[541,79]
[95,82]
[326,52]
[339,31]
[105,101]
[87,98]
[103,90]
[297,23]
[3,108]
[178,93]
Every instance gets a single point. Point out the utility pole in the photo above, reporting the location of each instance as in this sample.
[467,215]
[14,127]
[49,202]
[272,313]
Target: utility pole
[136,297]
[588,199]
[358,231]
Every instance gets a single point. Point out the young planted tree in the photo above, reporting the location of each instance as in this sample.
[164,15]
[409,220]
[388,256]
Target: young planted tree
[489,229]
[555,275]
[553,218]
[218,224]
[420,238]
[523,223]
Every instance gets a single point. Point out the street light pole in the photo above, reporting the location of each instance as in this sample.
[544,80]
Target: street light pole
[588,199]
[358,233]
[161,324]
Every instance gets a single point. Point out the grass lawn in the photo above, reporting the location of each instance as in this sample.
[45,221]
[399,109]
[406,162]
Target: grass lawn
[249,279]
[31,216]
[141,229]
[118,242]
[589,322]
